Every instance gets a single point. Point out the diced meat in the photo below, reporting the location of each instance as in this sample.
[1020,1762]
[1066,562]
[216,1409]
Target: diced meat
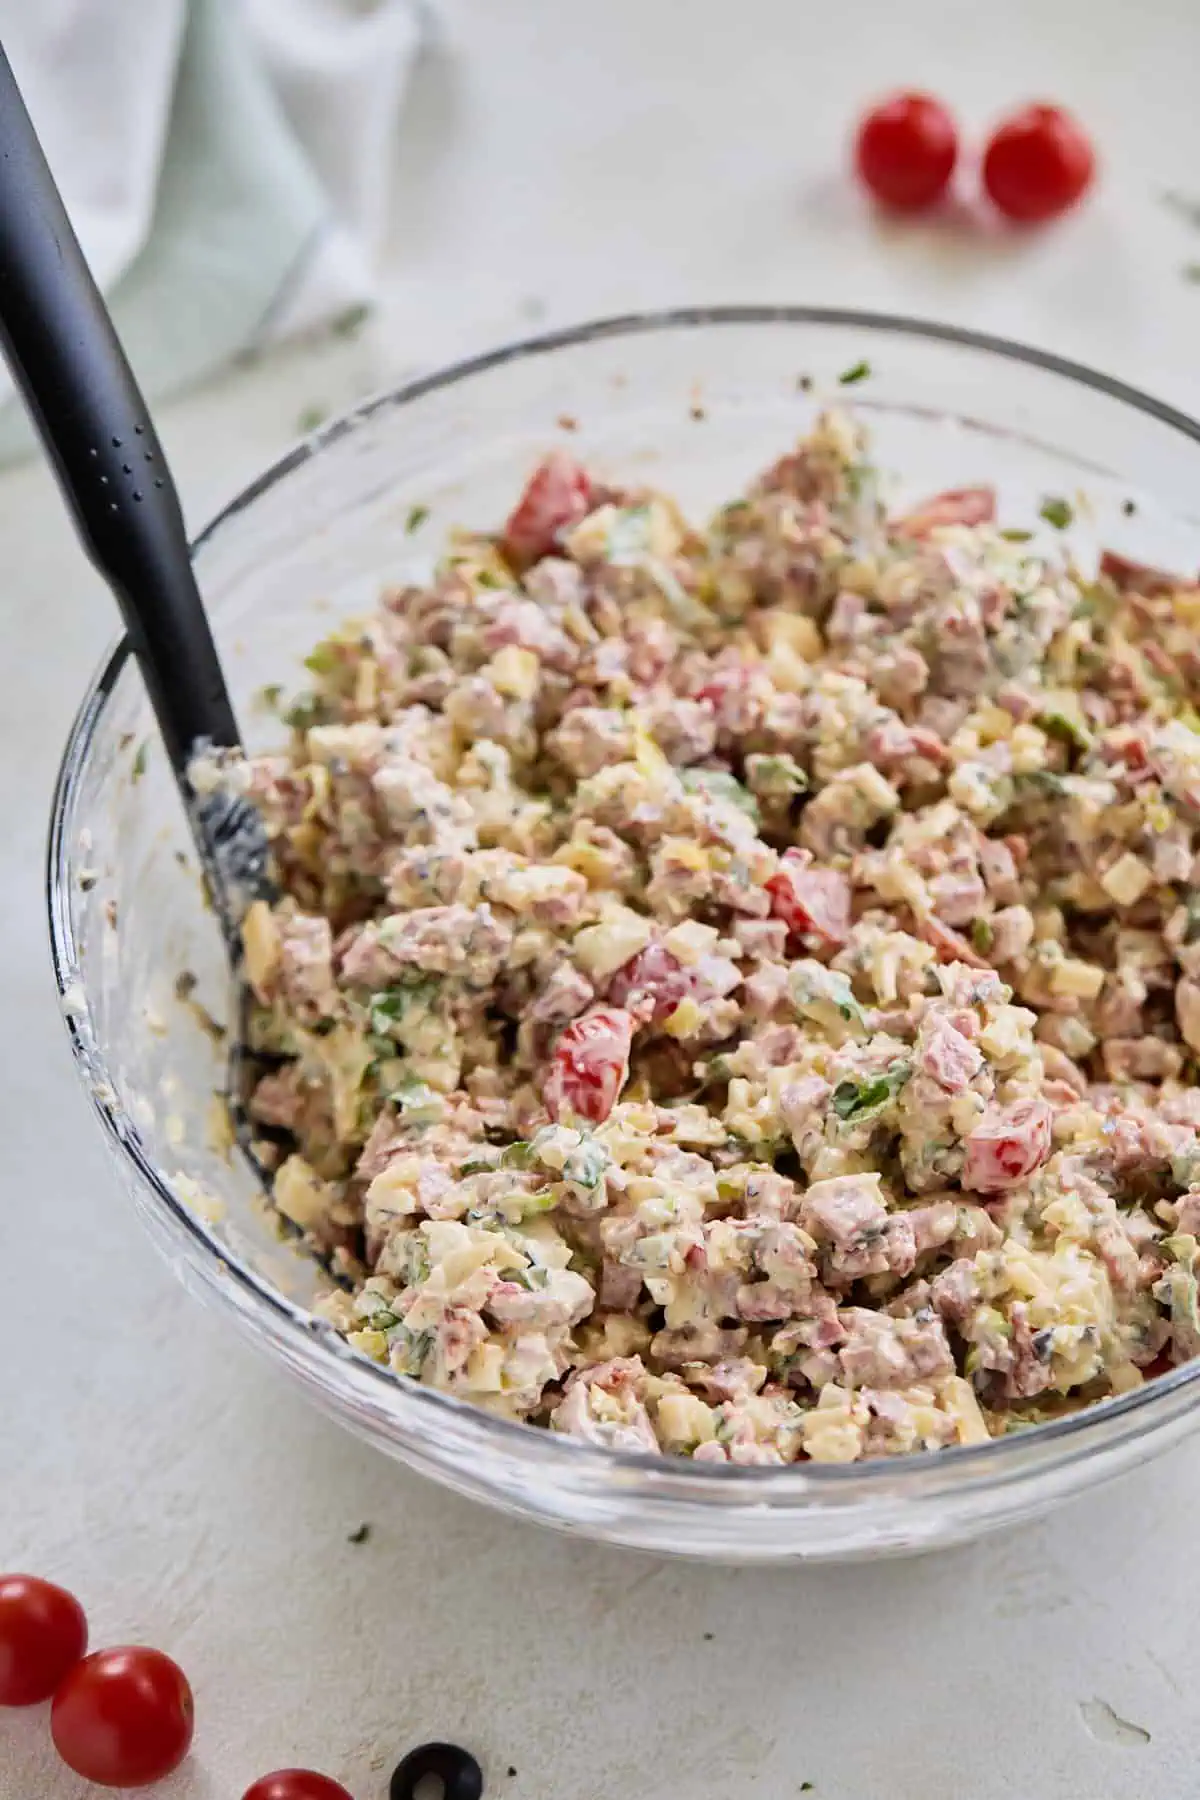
[950,946]
[957,506]
[951,1059]
[882,1351]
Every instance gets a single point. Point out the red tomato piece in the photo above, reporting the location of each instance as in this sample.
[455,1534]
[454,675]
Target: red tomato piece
[650,985]
[1008,1145]
[957,506]
[1038,164]
[905,151]
[950,945]
[1142,578]
[43,1634]
[810,901]
[557,495]
[589,1065]
[296,1784]
[123,1717]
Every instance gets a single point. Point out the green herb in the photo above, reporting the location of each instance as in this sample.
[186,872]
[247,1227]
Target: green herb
[1129,507]
[775,777]
[305,712]
[408,1350]
[982,935]
[719,784]
[417,516]
[387,1008]
[360,1535]
[1062,726]
[1014,535]
[139,761]
[351,322]
[1042,781]
[411,1095]
[518,1155]
[1056,511]
[628,536]
[585,1165]
[1191,271]
[324,659]
[862,480]
[806,1787]
[1192,926]
[854,1099]
[856,372]
[310,417]
[271,694]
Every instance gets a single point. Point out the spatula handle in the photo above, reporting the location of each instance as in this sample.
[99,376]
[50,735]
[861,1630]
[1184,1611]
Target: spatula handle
[67,360]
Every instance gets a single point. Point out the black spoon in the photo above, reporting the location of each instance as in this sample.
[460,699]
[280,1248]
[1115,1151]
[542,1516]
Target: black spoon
[67,360]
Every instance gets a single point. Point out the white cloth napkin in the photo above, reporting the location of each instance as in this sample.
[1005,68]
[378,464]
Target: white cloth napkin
[225,162]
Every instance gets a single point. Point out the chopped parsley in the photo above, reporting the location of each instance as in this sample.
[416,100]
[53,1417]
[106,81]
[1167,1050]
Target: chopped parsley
[1013,534]
[359,1535]
[775,777]
[855,1099]
[1068,729]
[856,372]
[719,784]
[1056,511]
[310,417]
[139,761]
[982,935]
[417,516]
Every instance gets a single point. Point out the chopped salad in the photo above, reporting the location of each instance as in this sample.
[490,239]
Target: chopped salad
[736,989]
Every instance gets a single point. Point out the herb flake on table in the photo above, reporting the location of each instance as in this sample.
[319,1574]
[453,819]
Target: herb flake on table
[855,373]
[1056,511]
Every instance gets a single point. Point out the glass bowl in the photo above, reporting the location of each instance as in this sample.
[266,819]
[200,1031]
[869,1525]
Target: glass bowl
[695,401]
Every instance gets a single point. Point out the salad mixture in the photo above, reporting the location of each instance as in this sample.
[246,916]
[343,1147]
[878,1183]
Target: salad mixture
[736,990]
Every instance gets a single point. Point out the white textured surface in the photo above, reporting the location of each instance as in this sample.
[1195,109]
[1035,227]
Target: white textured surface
[186,1493]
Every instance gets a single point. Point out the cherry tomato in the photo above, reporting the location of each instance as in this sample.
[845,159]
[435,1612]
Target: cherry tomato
[905,151]
[957,506]
[123,1717]
[296,1784]
[811,902]
[650,985]
[557,495]
[43,1633]
[1037,164]
[589,1066]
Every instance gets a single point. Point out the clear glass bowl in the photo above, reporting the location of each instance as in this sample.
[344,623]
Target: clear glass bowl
[695,401]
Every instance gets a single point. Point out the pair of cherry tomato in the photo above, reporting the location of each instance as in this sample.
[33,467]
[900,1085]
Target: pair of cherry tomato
[1036,165]
[123,1717]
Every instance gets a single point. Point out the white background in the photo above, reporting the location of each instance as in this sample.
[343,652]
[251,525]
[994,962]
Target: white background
[559,161]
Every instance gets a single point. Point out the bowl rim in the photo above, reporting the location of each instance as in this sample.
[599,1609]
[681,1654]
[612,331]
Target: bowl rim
[316,1343]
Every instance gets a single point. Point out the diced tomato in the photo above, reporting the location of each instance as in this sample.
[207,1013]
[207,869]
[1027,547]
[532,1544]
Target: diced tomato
[1141,578]
[950,945]
[650,985]
[1007,1146]
[810,901]
[590,1065]
[557,495]
[957,506]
